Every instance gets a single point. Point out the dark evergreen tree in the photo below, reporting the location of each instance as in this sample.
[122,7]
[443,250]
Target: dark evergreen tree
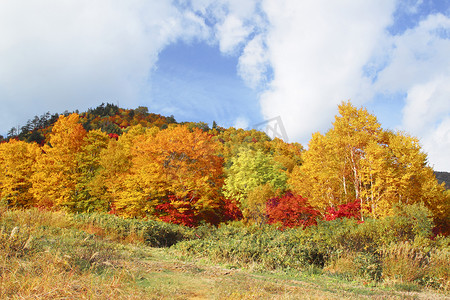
[35,136]
[12,133]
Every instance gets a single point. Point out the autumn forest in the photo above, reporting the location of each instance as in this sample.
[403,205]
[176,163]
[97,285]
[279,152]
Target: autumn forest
[137,164]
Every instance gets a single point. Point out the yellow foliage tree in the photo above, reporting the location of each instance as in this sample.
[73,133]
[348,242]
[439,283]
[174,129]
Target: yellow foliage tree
[396,171]
[249,170]
[357,159]
[56,170]
[16,162]
[288,155]
[115,165]
[322,177]
[233,139]
[255,210]
[89,194]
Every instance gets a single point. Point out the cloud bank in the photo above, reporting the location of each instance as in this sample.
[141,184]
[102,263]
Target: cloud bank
[320,53]
[60,55]
[317,50]
[302,57]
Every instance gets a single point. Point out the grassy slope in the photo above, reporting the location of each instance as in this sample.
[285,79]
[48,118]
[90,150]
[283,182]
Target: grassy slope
[51,257]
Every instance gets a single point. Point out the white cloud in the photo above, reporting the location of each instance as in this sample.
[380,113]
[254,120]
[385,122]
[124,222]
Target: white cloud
[232,21]
[317,51]
[253,62]
[304,57]
[419,66]
[427,115]
[416,56]
[323,52]
[231,33]
[58,55]
[426,104]
[410,6]
[241,122]
[437,144]
[218,10]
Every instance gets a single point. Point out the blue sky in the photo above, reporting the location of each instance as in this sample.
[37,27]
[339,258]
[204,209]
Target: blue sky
[236,62]
[198,83]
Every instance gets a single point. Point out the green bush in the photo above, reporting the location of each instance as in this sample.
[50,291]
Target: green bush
[368,266]
[407,262]
[254,246]
[152,233]
[397,248]
[438,269]
[406,223]
[369,251]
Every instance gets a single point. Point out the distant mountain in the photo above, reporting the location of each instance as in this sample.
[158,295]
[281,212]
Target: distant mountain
[443,177]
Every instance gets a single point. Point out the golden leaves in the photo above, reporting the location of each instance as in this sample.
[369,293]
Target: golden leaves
[55,172]
[16,161]
[357,159]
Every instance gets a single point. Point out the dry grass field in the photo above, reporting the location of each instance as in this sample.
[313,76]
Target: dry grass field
[48,255]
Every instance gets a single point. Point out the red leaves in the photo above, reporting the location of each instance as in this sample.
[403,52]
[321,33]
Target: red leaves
[113,136]
[113,210]
[230,211]
[294,211]
[349,210]
[179,211]
[172,215]
[291,210]
[183,213]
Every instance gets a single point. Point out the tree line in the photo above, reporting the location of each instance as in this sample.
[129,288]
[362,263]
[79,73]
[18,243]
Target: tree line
[140,165]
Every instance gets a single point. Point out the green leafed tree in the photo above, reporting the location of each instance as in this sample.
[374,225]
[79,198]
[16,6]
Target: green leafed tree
[89,192]
[250,170]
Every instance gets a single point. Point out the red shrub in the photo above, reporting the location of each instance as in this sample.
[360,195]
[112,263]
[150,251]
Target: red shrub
[349,210]
[113,136]
[230,211]
[291,210]
[183,214]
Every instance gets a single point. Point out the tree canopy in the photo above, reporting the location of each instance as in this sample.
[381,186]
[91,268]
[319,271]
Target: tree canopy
[137,164]
[357,159]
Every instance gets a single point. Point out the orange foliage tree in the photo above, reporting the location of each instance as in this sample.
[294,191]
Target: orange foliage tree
[175,171]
